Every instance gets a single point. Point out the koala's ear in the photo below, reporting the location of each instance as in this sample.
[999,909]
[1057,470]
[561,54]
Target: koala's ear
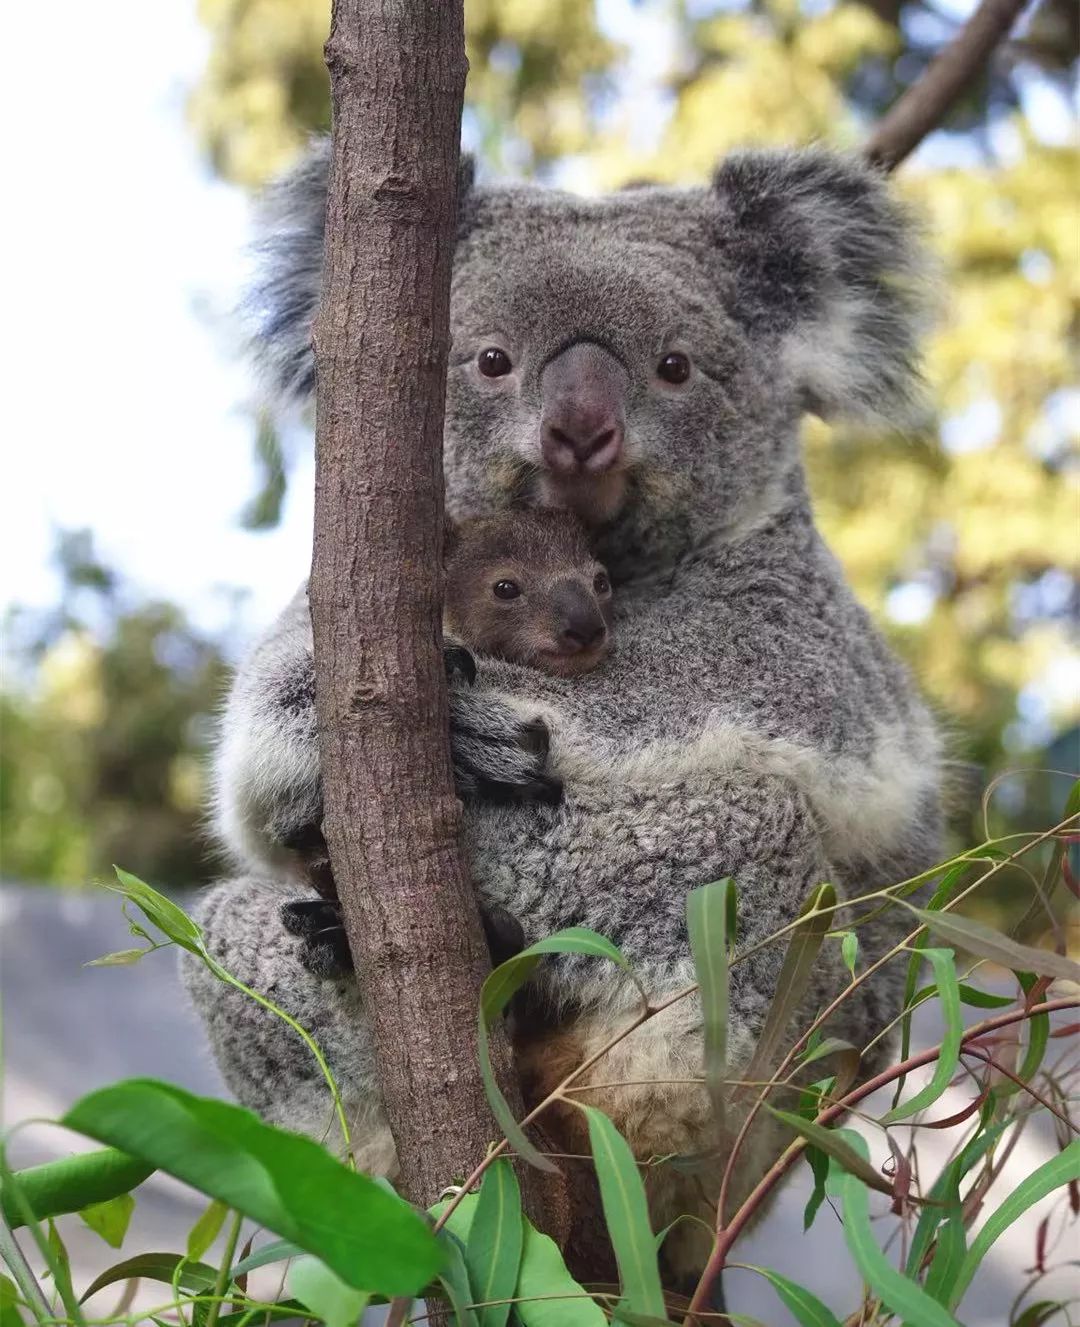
[825,266]
[289,248]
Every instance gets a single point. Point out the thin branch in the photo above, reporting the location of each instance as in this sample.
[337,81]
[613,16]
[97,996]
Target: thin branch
[924,106]
[727,1236]
[16,1262]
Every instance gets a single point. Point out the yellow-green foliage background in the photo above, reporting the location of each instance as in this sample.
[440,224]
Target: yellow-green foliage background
[965,541]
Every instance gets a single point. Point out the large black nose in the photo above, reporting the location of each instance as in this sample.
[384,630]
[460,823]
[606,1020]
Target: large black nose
[584,410]
[580,624]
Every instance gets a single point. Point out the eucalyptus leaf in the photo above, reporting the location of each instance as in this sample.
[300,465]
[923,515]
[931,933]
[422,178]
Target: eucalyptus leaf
[155,1267]
[978,938]
[1062,1169]
[493,1248]
[72,1183]
[498,990]
[326,1295]
[711,922]
[791,985]
[163,912]
[203,1233]
[110,1219]
[943,963]
[804,1307]
[626,1214]
[283,1181]
[832,1142]
[279,1251]
[902,1295]
[454,1279]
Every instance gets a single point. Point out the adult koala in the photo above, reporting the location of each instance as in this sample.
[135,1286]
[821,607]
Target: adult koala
[644,359]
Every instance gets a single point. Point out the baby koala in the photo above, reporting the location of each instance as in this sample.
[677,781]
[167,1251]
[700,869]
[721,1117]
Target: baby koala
[524,586]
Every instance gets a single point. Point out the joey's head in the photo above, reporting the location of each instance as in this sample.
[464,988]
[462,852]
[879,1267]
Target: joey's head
[643,359]
[524,586]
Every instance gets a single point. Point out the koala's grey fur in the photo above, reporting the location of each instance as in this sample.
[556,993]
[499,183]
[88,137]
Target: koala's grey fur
[752,723]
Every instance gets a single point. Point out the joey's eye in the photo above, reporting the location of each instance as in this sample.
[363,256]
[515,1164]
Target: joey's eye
[506,589]
[494,363]
[601,584]
[674,368]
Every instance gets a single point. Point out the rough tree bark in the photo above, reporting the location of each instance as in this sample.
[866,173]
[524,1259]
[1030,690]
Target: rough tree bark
[397,70]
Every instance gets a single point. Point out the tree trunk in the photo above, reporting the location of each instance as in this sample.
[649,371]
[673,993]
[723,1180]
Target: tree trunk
[397,73]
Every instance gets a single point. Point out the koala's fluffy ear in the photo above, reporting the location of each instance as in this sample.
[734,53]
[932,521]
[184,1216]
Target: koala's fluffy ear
[289,249]
[824,263]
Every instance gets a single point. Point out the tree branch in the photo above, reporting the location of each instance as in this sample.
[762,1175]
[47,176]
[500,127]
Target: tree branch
[924,105]
[397,70]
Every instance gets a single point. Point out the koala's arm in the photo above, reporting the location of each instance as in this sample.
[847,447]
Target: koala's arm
[268,804]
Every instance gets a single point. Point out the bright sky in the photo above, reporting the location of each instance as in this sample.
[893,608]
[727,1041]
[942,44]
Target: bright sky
[124,411]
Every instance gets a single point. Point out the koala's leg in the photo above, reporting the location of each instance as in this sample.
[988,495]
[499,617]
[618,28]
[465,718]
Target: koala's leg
[620,859]
[263,1061]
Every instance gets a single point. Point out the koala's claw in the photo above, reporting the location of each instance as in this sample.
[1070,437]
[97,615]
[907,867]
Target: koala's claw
[325,950]
[458,662]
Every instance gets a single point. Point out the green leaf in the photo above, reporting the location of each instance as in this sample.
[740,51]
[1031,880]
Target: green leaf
[815,919]
[819,1168]
[542,1272]
[120,958]
[496,993]
[285,1182]
[980,999]
[70,1184]
[278,1251]
[163,912]
[711,921]
[934,1210]
[978,938]
[10,1314]
[454,1279]
[59,1263]
[110,1219]
[626,1214]
[831,1141]
[806,1308]
[849,950]
[1038,1037]
[904,1297]
[493,1249]
[1037,1315]
[326,1295]
[943,963]
[948,1257]
[155,1267]
[206,1229]
[1051,1175]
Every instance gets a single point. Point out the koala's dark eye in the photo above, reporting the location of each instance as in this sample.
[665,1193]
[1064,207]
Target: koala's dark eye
[674,368]
[494,363]
[601,584]
[506,589]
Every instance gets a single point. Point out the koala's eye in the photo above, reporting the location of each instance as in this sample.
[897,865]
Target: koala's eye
[494,363]
[601,584]
[674,368]
[506,589]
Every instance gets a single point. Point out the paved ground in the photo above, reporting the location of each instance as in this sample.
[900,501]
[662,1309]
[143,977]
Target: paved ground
[69,1029]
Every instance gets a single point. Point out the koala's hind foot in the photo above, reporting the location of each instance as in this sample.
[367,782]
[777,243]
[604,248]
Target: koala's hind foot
[325,951]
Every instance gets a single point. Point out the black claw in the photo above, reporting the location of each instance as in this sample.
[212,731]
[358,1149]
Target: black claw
[504,933]
[307,917]
[459,663]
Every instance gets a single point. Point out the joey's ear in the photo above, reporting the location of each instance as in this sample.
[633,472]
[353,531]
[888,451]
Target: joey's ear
[824,264]
[290,228]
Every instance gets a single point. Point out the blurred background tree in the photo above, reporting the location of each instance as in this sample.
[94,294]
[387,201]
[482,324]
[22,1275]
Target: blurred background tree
[106,720]
[964,542]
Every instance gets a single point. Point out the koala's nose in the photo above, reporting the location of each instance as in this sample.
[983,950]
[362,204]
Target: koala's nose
[582,428]
[580,623]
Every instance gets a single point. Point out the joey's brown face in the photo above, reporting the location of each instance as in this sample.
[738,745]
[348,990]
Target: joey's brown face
[524,587]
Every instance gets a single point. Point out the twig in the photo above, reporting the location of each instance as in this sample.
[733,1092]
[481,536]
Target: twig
[222,1282]
[20,1269]
[987,1058]
[727,1236]
[924,105]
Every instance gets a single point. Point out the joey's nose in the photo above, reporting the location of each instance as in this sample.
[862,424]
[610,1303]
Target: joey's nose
[580,622]
[582,427]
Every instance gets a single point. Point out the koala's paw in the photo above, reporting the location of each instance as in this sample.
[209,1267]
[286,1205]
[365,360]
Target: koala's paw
[503,932]
[498,756]
[325,948]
